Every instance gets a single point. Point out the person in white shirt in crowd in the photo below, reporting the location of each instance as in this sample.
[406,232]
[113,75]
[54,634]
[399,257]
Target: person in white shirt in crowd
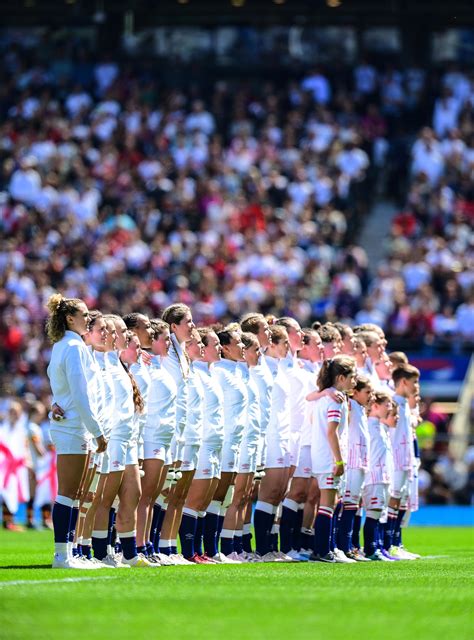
[179,319]
[36,414]
[25,184]
[14,435]
[123,477]
[235,393]
[157,435]
[318,86]
[70,375]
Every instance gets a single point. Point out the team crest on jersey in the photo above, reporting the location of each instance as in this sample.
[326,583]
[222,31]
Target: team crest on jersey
[84,446]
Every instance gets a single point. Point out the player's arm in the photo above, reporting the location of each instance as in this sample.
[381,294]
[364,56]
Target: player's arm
[333,440]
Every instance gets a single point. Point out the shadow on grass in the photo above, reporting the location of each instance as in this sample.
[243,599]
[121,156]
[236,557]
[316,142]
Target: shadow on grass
[26,566]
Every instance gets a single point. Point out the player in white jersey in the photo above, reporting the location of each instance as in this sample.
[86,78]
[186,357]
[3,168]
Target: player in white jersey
[157,435]
[310,358]
[95,339]
[406,381]
[357,464]
[199,501]
[101,352]
[328,447]
[179,318]
[69,372]
[377,485]
[249,447]
[233,386]
[257,324]
[375,351]
[186,518]
[123,478]
[274,484]
[297,382]
[140,325]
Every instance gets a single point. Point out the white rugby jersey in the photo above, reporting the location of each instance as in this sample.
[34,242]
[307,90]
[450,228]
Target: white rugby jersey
[358,437]
[380,453]
[161,416]
[213,423]
[401,437]
[107,390]
[235,399]
[297,387]
[252,427]
[324,411]
[74,386]
[193,428]
[263,378]
[177,365]
[140,371]
[279,422]
[369,371]
[311,372]
[124,425]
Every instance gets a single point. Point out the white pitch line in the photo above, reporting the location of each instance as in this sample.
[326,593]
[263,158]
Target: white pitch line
[433,557]
[14,583]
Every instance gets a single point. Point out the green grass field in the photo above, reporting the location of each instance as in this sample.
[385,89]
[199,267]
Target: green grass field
[430,598]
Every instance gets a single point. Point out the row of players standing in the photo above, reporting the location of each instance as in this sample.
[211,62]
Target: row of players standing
[162,429]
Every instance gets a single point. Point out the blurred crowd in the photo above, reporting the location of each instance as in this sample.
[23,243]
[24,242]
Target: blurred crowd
[132,194]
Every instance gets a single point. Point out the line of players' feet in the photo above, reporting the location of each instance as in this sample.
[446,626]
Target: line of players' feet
[117,561]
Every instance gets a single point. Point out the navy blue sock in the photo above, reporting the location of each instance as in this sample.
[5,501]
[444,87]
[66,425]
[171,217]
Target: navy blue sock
[150,549]
[86,551]
[187,531]
[287,527]
[173,549]
[247,542]
[117,547]
[263,522]
[238,544]
[159,525]
[72,524]
[61,519]
[210,534]
[274,542]
[129,546]
[142,549]
[389,528]
[356,532]
[99,544]
[75,552]
[334,541]
[322,531]
[198,535]
[220,524]
[397,534]
[370,536]
[380,533]
[306,538]
[296,536]
[154,521]
[346,524]
[227,542]
[111,526]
